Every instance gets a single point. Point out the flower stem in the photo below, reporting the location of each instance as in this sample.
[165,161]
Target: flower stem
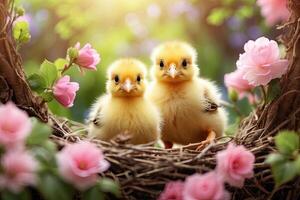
[264,94]
[67,67]
[254,99]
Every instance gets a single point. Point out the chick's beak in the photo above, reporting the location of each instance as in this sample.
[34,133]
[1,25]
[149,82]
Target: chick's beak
[172,70]
[127,85]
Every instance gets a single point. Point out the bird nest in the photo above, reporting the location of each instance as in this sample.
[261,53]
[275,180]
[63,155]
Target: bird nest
[143,170]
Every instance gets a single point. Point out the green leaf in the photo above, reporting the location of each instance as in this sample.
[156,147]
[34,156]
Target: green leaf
[60,63]
[297,164]
[284,172]
[232,128]
[93,194]
[287,142]
[24,195]
[37,82]
[108,185]
[40,133]
[46,158]
[245,12]
[49,72]
[275,158]
[21,31]
[273,90]
[50,146]
[52,188]
[218,15]
[47,96]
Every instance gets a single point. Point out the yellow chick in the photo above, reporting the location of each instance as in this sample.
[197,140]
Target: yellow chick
[125,109]
[188,104]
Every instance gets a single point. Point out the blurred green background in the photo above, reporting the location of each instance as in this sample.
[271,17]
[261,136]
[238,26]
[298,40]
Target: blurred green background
[218,30]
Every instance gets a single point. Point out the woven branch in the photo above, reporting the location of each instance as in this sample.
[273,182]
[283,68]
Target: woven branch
[143,170]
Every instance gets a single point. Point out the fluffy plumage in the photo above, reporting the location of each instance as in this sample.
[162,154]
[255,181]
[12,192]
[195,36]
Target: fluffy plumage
[125,109]
[189,104]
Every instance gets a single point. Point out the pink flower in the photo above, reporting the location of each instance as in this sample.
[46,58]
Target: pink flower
[235,164]
[274,10]
[260,63]
[80,163]
[235,81]
[173,191]
[65,91]
[205,187]
[19,169]
[14,125]
[87,57]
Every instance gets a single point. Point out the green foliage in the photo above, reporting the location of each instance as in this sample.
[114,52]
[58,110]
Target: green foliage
[43,81]
[40,133]
[47,96]
[21,32]
[273,90]
[285,164]
[218,15]
[284,172]
[24,195]
[108,185]
[287,142]
[245,12]
[60,63]
[93,193]
[37,82]
[232,128]
[49,71]
[52,188]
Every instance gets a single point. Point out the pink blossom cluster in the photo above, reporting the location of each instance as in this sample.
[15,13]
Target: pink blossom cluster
[64,90]
[274,10]
[19,166]
[234,165]
[258,65]
[78,164]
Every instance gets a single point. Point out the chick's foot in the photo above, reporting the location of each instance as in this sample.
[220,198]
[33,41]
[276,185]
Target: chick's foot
[210,137]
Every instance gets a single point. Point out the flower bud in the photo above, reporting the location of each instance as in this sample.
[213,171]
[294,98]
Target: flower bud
[233,95]
[72,53]
[20,11]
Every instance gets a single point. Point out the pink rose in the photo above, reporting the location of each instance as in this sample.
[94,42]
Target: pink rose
[261,62]
[19,168]
[173,190]
[65,91]
[15,125]
[80,163]
[274,10]
[208,186]
[87,57]
[235,81]
[235,164]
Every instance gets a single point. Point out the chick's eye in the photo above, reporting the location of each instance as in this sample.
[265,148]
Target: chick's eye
[161,64]
[184,63]
[138,78]
[117,79]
